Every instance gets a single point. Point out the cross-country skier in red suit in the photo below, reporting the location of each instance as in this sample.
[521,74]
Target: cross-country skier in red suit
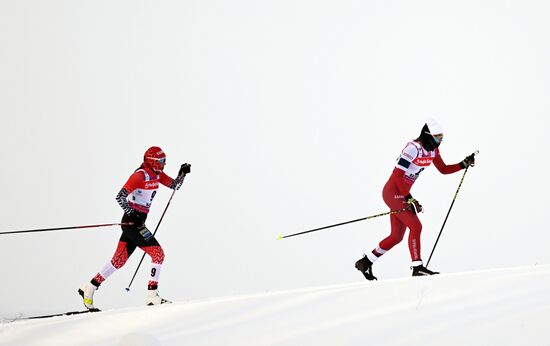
[415,157]
[135,198]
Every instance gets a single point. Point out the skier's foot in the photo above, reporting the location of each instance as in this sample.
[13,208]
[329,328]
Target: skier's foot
[87,294]
[420,270]
[364,265]
[153,298]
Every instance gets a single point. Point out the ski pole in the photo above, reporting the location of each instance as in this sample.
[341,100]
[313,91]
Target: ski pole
[156,229]
[451,207]
[343,223]
[66,228]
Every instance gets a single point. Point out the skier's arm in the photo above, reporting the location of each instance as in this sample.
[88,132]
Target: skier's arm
[407,156]
[166,180]
[401,182]
[122,197]
[404,183]
[443,167]
[404,188]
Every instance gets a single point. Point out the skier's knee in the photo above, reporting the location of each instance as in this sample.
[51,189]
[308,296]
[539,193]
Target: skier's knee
[160,256]
[397,238]
[156,253]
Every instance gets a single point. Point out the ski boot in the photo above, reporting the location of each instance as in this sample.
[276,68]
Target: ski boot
[364,265]
[153,298]
[87,294]
[420,270]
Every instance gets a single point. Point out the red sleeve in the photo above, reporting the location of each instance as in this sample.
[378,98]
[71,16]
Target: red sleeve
[134,182]
[443,167]
[165,179]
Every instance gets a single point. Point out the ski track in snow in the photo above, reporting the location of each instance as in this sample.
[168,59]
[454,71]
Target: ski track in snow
[508,306]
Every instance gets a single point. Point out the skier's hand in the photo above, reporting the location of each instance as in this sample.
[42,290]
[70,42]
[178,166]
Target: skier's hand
[414,205]
[469,161]
[185,169]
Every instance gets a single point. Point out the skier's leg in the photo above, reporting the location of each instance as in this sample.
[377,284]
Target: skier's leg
[412,221]
[145,240]
[415,230]
[394,201]
[123,251]
[140,236]
[396,236]
[364,265]
[155,251]
[125,248]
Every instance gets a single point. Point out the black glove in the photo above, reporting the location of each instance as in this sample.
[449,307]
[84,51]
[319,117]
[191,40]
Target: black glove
[414,205]
[469,161]
[185,169]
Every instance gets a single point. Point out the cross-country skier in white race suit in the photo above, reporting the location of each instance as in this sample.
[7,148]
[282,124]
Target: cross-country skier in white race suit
[414,158]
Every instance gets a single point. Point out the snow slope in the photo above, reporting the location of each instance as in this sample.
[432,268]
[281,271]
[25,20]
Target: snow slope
[493,307]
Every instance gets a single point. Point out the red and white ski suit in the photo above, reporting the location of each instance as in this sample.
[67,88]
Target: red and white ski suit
[142,187]
[411,162]
[135,198]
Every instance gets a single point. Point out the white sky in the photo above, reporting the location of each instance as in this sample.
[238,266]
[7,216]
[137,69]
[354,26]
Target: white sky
[292,114]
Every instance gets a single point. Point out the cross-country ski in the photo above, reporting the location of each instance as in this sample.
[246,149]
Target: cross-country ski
[68,313]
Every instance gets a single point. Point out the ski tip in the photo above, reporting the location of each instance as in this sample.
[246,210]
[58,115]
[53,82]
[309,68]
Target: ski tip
[279,237]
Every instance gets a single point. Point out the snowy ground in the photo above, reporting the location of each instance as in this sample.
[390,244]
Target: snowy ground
[493,307]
